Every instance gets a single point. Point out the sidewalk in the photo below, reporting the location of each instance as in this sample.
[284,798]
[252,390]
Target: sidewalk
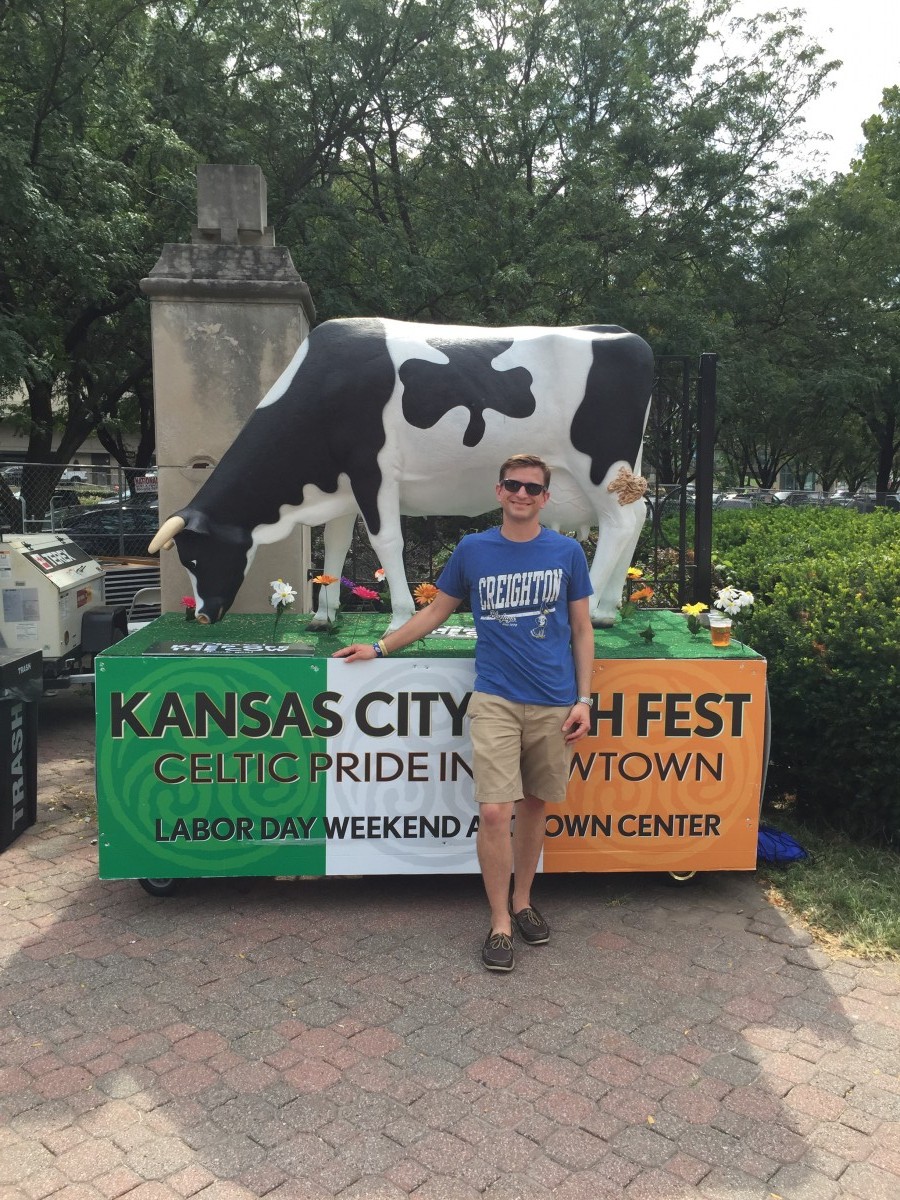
[339,1037]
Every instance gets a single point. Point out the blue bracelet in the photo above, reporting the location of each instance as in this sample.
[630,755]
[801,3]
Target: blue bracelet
[377,649]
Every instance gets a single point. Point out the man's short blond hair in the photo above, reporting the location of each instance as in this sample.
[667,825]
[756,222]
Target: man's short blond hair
[525,460]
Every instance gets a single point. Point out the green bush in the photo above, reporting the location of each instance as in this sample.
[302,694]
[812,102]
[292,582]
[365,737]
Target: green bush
[827,619]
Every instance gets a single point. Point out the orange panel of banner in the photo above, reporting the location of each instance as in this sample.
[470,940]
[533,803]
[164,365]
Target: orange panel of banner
[671,776]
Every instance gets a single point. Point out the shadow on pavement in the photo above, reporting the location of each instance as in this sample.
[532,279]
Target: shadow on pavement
[315,1038]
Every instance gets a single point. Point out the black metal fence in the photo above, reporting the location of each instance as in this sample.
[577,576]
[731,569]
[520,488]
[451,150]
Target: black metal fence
[675,549]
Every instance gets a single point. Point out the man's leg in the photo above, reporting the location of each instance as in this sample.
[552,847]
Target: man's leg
[495,857]
[527,842]
[545,766]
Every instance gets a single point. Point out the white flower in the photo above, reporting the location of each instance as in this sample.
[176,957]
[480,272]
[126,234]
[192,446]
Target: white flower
[282,593]
[731,600]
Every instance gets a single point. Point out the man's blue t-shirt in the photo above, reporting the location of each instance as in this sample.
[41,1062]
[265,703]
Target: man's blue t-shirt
[519,593]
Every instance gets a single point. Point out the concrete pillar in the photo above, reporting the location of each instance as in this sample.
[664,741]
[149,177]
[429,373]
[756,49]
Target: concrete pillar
[226,316]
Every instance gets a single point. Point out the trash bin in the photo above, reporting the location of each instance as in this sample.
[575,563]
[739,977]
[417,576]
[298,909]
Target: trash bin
[21,680]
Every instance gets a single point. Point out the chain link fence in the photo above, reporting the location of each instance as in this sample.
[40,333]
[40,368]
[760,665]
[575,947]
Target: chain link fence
[109,511]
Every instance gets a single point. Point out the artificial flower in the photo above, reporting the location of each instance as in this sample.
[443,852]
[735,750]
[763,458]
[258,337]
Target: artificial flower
[693,611]
[365,593]
[282,594]
[379,574]
[425,593]
[188,602]
[324,580]
[635,573]
[644,593]
[732,600]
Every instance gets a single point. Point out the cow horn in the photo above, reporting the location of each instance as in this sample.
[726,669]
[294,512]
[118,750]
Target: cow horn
[164,535]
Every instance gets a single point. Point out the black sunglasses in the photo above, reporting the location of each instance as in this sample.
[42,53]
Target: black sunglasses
[513,485]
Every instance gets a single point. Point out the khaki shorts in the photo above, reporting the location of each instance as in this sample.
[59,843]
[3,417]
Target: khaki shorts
[517,750]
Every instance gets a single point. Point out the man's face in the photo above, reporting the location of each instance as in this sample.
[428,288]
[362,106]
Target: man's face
[519,506]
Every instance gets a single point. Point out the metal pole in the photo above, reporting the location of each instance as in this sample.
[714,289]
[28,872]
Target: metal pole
[706,439]
[684,454]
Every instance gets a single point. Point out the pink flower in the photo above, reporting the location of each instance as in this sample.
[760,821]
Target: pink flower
[379,574]
[188,601]
[364,593]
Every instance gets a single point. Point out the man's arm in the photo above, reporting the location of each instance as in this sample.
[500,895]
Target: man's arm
[578,721]
[419,625]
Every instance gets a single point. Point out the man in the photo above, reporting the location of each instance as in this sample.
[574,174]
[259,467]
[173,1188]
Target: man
[529,589]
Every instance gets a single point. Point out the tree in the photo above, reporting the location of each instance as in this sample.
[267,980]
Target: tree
[488,161]
[872,190]
[73,229]
[533,161]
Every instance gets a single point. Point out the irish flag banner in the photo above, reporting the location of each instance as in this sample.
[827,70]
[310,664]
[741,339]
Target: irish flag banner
[247,758]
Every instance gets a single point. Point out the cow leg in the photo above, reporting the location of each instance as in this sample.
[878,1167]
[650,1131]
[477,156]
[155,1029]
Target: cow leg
[338,535]
[388,545]
[618,530]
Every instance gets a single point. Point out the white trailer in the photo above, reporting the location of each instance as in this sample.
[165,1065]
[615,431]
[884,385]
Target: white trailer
[52,601]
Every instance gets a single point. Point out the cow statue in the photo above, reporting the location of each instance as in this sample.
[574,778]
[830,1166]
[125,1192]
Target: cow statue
[386,418]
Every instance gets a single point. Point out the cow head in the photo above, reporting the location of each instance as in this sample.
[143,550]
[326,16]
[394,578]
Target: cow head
[215,557]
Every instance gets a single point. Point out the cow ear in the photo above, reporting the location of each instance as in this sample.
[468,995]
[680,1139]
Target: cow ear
[194,520]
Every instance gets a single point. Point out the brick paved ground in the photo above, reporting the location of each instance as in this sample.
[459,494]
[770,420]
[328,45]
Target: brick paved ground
[339,1038]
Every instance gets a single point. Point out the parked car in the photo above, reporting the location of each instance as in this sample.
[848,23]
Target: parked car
[733,500]
[802,499]
[111,530]
[13,473]
[667,503]
[862,503]
[869,501]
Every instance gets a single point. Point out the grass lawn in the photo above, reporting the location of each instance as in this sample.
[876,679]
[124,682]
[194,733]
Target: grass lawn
[848,894]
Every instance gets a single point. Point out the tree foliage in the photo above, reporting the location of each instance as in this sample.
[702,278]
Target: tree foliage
[815,374]
[484,161]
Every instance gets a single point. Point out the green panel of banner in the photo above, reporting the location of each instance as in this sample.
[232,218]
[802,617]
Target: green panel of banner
[202,766]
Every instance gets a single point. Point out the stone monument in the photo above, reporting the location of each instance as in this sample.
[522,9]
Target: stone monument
[227,314]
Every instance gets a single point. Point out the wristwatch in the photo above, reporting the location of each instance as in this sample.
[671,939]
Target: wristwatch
[585,700]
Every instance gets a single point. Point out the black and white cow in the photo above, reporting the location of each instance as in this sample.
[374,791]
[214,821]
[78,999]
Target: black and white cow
[389,418]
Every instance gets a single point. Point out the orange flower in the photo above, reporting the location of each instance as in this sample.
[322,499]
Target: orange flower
[645,593]
[325,579]
[425,593]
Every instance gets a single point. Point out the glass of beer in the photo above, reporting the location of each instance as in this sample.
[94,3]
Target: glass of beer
[719,629]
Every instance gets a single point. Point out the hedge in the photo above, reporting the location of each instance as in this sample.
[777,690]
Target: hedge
[827,619]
